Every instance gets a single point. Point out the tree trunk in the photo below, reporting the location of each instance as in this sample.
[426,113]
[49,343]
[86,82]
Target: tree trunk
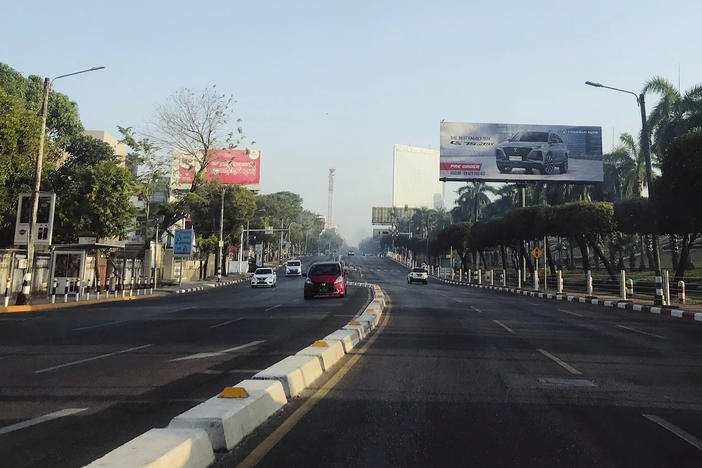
[642,247]
[687,241]
[598,253]
[674,251]
[571,260]
[583,251]
[649,251]
[549,257]
[504,259]
[482,259]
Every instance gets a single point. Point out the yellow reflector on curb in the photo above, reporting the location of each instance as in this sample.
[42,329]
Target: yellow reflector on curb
[320,344]
[355,322]
[370,310]
[234,392]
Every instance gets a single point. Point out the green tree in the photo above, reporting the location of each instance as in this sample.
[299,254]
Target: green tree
[473,198]
[331,240]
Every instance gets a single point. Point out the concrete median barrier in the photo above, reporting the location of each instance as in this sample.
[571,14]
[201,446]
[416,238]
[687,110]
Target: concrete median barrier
[371,317]
[295,373]
[361,328]
[228,418]
[328,354]
[348,338]
[184,448]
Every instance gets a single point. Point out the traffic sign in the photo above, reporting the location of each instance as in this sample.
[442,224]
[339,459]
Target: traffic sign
[183,243]
[536,253]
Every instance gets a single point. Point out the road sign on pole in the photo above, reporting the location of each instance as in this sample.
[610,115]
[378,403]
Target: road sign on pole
[183,243]
[536,252]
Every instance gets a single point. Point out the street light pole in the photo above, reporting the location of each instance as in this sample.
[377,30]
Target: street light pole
[22,298]
[646,150]
[220,265]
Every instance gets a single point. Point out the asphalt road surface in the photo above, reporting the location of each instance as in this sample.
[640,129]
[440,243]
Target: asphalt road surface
[76,383]
[459,377]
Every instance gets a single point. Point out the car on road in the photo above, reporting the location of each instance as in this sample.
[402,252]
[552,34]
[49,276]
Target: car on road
[293,268]
[351,253]
[264,277]
[543,151]
[325,279]
[419,275]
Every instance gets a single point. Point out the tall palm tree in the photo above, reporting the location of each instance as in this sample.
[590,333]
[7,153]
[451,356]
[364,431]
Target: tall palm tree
[674,115]
[473,198]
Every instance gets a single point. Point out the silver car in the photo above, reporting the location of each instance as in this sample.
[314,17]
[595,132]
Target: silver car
[544,151]
[264,277]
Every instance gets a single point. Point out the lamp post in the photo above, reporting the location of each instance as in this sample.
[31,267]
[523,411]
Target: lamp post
[646,149]
[22,298]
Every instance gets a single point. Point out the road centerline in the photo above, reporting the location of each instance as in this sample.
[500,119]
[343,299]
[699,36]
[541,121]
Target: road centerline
[100,325]
[571,313]
[476,309]
[273,307]
[94,358]
[561,363]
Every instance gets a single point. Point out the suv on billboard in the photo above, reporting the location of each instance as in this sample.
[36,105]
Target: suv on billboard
[544,151]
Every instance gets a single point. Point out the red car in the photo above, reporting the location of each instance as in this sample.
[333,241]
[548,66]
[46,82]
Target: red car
[325,279]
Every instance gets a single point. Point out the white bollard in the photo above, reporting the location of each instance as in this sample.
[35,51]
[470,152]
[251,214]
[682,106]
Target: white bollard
[504,278]
[666,288]
[681,291]
[480,276]
[559,281]
[8,284]
[622,285]
[519,279]
[492,277]
[588,284]
[630,287]
[536,280]
[460,275]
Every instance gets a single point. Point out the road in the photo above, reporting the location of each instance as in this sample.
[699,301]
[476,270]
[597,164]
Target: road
[76,383]
[459,377]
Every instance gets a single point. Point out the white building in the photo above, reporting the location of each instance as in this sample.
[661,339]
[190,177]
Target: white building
[415,179]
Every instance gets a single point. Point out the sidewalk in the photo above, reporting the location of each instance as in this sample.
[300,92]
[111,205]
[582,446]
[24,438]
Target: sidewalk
[42,302]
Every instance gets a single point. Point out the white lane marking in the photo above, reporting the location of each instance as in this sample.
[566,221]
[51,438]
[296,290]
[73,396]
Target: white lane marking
[227,322]
[274,307]
[244,371]
[476,309]
[569,312]
[564,365]
[41,419]
[81,361]
[100,325]
[216,353]
[636,330]
[247,345]
[683,434]
[504,326]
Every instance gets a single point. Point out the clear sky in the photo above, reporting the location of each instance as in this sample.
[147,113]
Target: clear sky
[331,84]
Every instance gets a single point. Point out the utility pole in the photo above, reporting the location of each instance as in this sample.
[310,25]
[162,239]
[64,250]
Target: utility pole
[22,298]
[280,254]
[220,264]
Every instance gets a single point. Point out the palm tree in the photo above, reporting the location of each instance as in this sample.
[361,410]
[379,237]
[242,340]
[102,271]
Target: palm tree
[473,198]
[674,115]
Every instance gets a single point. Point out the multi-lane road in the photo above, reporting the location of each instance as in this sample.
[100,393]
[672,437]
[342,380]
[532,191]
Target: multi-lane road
[451,377]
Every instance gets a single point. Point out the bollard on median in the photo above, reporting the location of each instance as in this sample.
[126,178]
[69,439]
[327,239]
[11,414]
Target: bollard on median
[8,284]
[622,285]
[681,291]
[53,291]
[588,283]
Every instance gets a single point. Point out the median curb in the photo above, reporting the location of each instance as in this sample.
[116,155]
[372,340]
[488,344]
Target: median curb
[221,422]
[624,305]
[61,305]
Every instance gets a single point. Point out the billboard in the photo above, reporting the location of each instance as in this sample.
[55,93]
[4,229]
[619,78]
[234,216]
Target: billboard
[518,152]
[227,166]
[45,218]
[415,177]
[391,215]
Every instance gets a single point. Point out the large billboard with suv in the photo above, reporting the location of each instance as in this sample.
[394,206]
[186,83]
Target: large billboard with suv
[512,152]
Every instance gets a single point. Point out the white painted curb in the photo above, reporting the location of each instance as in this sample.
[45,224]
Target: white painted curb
[184,448]
[228,420]
[296,373]
[328,356]
[348,338]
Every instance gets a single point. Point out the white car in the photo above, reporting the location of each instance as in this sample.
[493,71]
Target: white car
[293,268]
[265,277]
[420,275]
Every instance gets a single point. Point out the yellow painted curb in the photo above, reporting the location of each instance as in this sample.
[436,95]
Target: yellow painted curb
[320,344]
[234,392]
[31,308]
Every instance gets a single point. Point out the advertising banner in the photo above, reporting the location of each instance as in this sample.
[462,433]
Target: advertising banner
[519,152]
[183,243]
[45,218]
[391,215]
[229,167]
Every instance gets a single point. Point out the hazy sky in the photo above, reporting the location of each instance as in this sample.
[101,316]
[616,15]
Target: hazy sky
[330,84]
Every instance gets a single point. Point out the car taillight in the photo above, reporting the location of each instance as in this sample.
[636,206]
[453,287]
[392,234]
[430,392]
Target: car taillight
[308,281]
[340,279]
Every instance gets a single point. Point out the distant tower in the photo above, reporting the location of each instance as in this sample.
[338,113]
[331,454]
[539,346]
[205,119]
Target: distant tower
[331,196]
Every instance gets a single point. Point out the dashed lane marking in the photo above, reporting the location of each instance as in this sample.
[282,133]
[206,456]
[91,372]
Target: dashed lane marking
[94,358]
[274,307]
[571,313]
[41,419]
[636,330]
[476,309]
[561,363]
[217,353]
[683,434]
[100,325]
[226,323]
[504,326]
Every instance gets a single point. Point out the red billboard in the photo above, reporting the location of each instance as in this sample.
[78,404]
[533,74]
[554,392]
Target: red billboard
[228,167]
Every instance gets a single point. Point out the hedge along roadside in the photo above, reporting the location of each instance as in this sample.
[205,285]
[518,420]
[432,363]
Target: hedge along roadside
[222,421]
